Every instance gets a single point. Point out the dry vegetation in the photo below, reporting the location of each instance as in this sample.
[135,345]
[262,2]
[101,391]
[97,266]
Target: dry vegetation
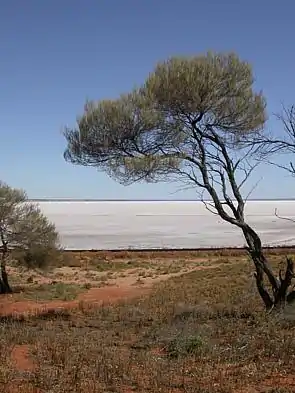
[169,322]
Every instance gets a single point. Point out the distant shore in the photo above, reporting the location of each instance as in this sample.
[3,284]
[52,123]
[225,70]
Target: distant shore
[143,200]
[217,251]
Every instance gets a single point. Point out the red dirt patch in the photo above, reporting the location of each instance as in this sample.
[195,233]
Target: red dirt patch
[96,296]
[280,381]
[158,352]
[112,294]
[21,358]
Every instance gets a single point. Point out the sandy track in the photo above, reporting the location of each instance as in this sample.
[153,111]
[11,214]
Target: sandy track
[116,290]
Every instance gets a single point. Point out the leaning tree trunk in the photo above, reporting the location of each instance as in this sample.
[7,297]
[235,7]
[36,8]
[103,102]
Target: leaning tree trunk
[280,294]
[4,284]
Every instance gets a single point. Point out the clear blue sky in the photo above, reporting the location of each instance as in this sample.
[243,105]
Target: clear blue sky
[57,53]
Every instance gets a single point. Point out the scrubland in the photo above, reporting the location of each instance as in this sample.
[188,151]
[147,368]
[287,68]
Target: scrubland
[144,322]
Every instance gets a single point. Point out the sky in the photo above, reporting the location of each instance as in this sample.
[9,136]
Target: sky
[55,54]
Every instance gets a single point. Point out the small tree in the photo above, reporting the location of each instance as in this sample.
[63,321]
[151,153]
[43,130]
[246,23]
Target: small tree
[22,227]
[187,122]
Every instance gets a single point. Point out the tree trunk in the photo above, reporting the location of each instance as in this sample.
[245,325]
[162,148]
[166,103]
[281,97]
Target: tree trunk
[280,287]
[4,284]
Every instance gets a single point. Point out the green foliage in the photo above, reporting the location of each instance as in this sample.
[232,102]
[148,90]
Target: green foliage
[55,291]
[38,257]
[185,345]
[217,85]
[150,134]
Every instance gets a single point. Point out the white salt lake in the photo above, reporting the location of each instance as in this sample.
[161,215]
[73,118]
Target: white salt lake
[107,225]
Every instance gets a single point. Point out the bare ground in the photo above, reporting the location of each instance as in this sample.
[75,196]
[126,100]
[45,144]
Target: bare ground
[118,280]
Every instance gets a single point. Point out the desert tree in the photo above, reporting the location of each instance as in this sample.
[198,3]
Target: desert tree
[22,227]
[186,123]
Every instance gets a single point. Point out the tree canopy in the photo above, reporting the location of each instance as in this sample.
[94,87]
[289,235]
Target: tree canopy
[178,125]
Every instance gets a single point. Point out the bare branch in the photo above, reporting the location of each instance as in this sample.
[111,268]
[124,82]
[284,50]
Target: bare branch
[283,218]
[252,189]
[270,145]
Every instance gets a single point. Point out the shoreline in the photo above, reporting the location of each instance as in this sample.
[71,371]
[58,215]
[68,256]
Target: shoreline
[221,251]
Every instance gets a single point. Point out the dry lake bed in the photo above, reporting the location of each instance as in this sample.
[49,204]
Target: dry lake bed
[163,224]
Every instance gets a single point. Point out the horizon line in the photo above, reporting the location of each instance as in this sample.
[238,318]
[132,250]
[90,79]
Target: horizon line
[141,200]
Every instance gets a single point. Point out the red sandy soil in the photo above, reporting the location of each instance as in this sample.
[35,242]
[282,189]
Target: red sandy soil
[21,358]
[121,289]
[20,353]
[97,296]
[92,296]
[22,361]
